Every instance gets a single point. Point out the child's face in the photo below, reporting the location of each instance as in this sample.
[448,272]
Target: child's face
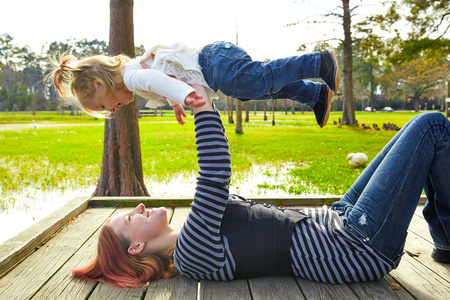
[101,101]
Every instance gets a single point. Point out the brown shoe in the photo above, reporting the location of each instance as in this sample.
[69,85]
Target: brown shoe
[323,105]
[329,69]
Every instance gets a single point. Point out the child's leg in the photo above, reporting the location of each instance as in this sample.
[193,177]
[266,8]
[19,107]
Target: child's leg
[229,68]
[389,191]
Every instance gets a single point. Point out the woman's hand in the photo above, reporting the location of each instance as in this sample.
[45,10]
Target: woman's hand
[179,113]
[194,99]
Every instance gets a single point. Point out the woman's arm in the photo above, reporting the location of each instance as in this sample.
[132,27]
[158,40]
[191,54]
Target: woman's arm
[201,251]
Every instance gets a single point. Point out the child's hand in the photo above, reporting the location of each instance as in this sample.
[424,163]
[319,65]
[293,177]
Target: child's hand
[194,99]
[179,113]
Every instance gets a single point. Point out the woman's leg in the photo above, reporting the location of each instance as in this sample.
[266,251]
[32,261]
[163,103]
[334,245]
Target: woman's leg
[437,208]
[353,194]
[229,68]
[380,205]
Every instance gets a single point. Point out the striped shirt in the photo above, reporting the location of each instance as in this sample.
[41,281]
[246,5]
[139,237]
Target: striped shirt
[321,250]
[324,251]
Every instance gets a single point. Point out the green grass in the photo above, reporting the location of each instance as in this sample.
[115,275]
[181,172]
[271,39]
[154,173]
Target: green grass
[67,151]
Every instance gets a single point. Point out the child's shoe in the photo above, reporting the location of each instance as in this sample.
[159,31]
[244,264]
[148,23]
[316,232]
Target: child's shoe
[329,69]
[442,256]
[323,105]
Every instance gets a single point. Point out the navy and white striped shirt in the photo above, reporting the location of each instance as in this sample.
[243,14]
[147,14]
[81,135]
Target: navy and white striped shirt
[322,249]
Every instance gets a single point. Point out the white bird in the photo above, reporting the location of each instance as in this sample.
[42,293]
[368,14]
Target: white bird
[357,159]
[34,124]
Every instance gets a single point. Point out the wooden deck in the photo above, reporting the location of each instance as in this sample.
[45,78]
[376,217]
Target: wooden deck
[37,263]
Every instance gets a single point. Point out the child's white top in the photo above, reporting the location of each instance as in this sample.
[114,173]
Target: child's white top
[154,85]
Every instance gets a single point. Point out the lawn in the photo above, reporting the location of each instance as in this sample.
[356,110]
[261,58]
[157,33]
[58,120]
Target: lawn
[65,151]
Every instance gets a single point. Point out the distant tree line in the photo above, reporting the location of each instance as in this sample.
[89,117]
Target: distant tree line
[388,69]
[22,72]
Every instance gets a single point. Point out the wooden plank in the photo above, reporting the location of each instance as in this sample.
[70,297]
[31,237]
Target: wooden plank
[179,217]
[419,225]
[402,293]
[179,287]
[26,279]
[236,290]
[419,245]
[419,210]
[282,288]
[316,290]
[175,288]
[317,200]
[186,201]
[62,285]
[109,291]
[378,289]
[419,280]
[16,248]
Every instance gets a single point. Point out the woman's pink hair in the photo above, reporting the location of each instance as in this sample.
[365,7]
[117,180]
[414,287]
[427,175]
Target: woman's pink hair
[113,264]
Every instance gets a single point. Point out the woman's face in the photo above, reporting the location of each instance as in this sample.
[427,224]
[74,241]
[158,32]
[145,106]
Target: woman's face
[141,225]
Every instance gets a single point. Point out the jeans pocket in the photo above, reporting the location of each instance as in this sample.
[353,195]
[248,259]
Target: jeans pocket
[231,51]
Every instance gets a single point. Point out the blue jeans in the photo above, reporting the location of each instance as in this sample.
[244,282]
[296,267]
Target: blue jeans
[228,68]
[380,204]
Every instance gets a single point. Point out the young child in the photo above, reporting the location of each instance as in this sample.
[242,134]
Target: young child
[181,75]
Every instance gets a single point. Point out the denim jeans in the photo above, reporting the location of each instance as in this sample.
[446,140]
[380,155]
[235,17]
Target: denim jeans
[380,204]
[229,68]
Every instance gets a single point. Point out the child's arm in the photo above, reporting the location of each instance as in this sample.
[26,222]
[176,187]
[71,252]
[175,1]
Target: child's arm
[179,113]
[155,81]
[194,99]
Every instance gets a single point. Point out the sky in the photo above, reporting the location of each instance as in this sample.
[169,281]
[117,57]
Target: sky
[260,23]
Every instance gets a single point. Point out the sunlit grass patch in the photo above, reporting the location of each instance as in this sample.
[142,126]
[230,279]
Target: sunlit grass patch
[67,151]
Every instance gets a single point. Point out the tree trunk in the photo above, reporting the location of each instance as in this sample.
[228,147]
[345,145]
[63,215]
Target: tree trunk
[247,111]
[265,110]
[121,173]
[273,111]
[230,110]
[372,90]
[348,109]
[416,104]
[238,128]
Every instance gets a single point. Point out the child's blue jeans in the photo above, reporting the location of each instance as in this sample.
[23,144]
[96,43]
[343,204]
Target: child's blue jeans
[229,68]
[380,204]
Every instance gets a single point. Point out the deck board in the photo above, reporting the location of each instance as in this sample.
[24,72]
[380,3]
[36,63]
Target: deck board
[26,279]
[236,289]
[45,272]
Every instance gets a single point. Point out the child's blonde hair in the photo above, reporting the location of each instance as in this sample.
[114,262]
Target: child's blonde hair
[73,79]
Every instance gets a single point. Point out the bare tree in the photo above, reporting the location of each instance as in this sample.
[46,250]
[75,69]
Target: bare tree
[238,128]
[274,101]
[265,109]
[247,111]
[348,110]
[230,109]
[121,173]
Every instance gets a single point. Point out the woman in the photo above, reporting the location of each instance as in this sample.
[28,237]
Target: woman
[226,237]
